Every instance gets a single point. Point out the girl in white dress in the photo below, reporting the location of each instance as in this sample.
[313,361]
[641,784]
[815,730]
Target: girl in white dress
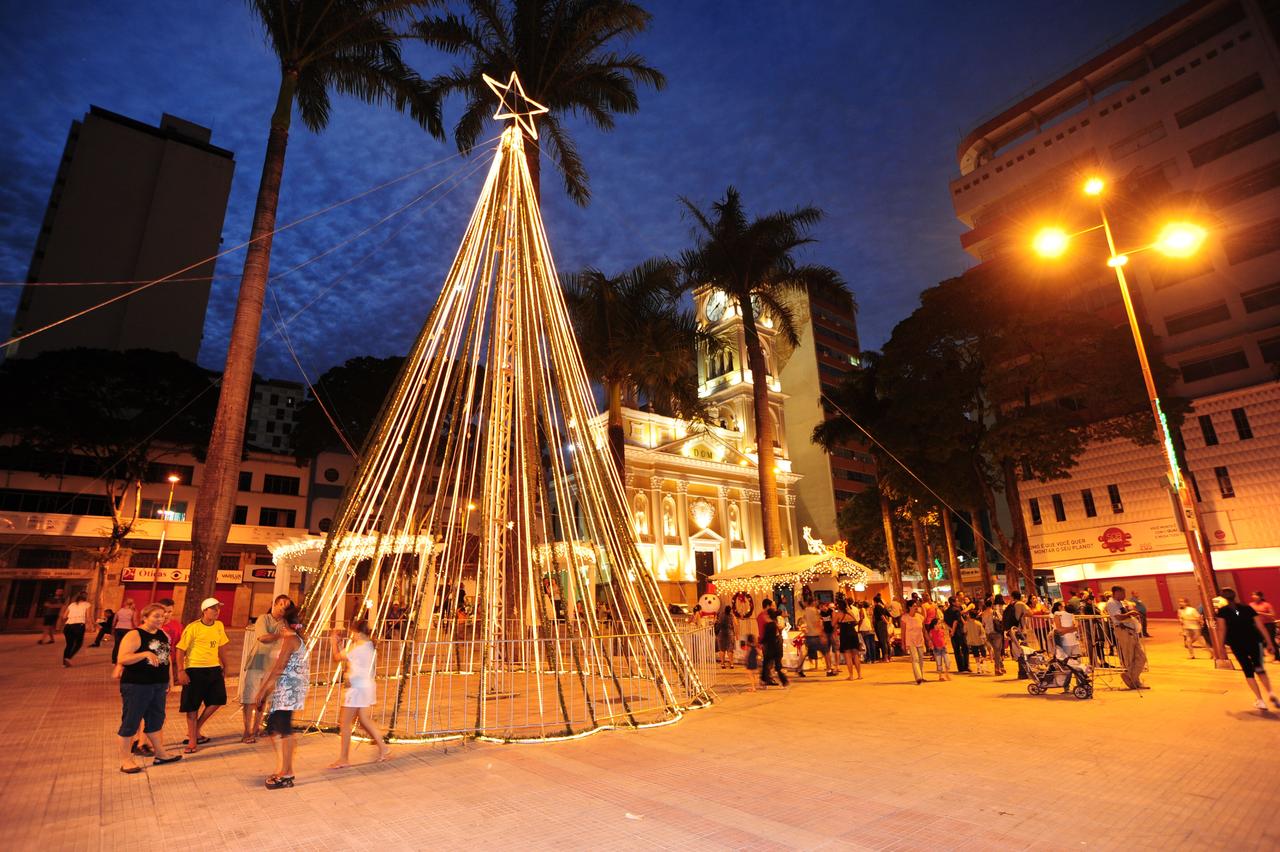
[360,696]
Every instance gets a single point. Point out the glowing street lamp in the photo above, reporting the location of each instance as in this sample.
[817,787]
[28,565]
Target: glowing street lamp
[174,479]
[1178,240]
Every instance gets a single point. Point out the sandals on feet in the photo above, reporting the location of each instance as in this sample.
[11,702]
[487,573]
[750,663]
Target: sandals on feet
[131,771]
[200,740]
[160,761]
[275,782]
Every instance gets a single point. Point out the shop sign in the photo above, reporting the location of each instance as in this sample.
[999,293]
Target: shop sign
[1117,539]
[175,575]
[45,573]
[263,574]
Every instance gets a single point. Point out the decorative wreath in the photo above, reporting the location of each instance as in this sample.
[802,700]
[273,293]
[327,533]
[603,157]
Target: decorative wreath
[743,605]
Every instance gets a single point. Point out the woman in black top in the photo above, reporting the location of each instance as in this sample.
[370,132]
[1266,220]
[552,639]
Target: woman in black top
[1241,629]
[850,644]
[144,682]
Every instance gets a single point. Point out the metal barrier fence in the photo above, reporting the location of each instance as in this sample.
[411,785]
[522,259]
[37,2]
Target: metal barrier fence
[1097,640]
[432,688]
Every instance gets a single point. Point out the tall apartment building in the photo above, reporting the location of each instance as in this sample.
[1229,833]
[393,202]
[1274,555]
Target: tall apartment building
[828,349]
[272,415]
[1183,120]
[130,203]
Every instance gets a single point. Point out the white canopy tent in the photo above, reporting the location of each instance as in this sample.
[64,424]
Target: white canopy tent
[762,575]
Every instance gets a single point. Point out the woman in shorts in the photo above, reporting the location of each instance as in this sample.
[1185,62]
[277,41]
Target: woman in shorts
[143,656]
[285,687]
[361,695]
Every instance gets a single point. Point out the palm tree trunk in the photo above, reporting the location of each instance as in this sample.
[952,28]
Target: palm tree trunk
[1020,555]
[617,445]
[890,545]
[980,544]
[215,501]
[770,516]
[922,556]
[953,565]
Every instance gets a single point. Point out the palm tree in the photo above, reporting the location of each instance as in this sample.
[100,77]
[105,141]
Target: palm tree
[752,262]
[350,47]
[634,336]
[561,50]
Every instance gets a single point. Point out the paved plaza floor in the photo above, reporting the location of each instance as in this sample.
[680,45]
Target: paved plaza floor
[880,763]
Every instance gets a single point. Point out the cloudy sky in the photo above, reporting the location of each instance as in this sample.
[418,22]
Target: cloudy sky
[855,107]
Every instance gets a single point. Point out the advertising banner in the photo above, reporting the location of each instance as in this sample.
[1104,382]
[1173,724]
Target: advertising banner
[174,575]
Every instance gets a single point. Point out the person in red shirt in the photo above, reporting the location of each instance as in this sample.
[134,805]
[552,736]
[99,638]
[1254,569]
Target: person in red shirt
[762,618]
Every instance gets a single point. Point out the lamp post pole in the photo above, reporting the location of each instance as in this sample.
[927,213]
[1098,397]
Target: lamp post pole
[1190,522]
[164,529]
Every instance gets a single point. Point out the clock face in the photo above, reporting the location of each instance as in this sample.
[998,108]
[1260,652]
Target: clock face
[716,305]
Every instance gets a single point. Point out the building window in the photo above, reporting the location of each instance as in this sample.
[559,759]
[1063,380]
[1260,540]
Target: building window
[271,426]
[275,442]
[1206,429]
[39,558]
[147,559]
[241,515]
[1261,298]
[1248,243]
[1219,100]
[246,481]
[1251,183]
[1196,371]
[229,562]
[1090,508]
[1224,481]
[1270,349]
[275,399]
[272,484]
[160,472]
[1241,418]
[1167,272]
[1195,485]
[1234,140]
[1059,510]
[268,517]
[1034,504]
[156,508]
[1117,505]
[1190,321]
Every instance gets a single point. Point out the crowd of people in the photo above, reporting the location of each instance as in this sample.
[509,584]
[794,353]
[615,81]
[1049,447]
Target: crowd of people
[153,654]
[965,635]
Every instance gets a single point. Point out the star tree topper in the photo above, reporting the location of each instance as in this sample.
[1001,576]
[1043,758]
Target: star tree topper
[510,97]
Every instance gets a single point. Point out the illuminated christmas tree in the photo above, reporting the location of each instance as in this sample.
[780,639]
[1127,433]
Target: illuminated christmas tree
[486,524]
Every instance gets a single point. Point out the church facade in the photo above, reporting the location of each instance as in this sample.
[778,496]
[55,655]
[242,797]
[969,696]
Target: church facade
[693,488]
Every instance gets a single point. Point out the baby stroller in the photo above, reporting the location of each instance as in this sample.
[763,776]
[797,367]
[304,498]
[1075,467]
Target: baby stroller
[1057,672]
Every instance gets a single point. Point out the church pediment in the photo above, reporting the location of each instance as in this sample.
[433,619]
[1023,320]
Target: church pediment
[703,446]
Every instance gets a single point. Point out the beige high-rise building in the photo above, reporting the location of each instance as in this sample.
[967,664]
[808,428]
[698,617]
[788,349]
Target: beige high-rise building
[1182,119]
[130,203]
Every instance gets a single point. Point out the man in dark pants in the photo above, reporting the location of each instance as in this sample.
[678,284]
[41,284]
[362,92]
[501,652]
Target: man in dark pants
[951,617]
[771,644]
[880,617]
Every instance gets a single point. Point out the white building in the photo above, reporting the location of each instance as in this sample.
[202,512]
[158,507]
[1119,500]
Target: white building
[1185,113]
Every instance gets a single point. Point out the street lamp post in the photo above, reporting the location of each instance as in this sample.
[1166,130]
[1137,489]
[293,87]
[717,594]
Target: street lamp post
[1178,240]
[164,529]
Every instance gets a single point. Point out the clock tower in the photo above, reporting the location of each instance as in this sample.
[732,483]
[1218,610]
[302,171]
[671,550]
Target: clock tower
[725,380]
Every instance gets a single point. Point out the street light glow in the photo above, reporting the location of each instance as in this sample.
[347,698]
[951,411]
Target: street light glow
[1094,186]
[173,477]
[1118,260]
[1051,242]
[1180,239]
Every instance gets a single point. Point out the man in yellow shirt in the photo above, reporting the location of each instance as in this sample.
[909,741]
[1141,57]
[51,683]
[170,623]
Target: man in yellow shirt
[201,657]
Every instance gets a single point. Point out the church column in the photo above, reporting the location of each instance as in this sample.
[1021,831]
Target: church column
[682,525]
[656,553]
[722,510]
[751,520]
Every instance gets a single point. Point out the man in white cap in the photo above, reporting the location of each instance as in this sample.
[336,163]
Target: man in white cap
[201,657]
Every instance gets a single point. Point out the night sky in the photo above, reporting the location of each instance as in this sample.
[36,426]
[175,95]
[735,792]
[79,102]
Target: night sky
[855,107]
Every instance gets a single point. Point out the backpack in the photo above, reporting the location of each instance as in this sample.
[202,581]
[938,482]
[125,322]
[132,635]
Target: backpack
[1010,620]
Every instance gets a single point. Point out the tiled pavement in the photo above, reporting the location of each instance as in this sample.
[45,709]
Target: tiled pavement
[879,764]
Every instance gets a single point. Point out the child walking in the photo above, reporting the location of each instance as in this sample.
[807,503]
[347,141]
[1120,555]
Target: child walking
[356,701]
[975,636]
[938,643]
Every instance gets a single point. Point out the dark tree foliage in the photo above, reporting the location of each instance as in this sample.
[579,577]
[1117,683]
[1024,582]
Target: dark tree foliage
[353,393]
[123,410]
